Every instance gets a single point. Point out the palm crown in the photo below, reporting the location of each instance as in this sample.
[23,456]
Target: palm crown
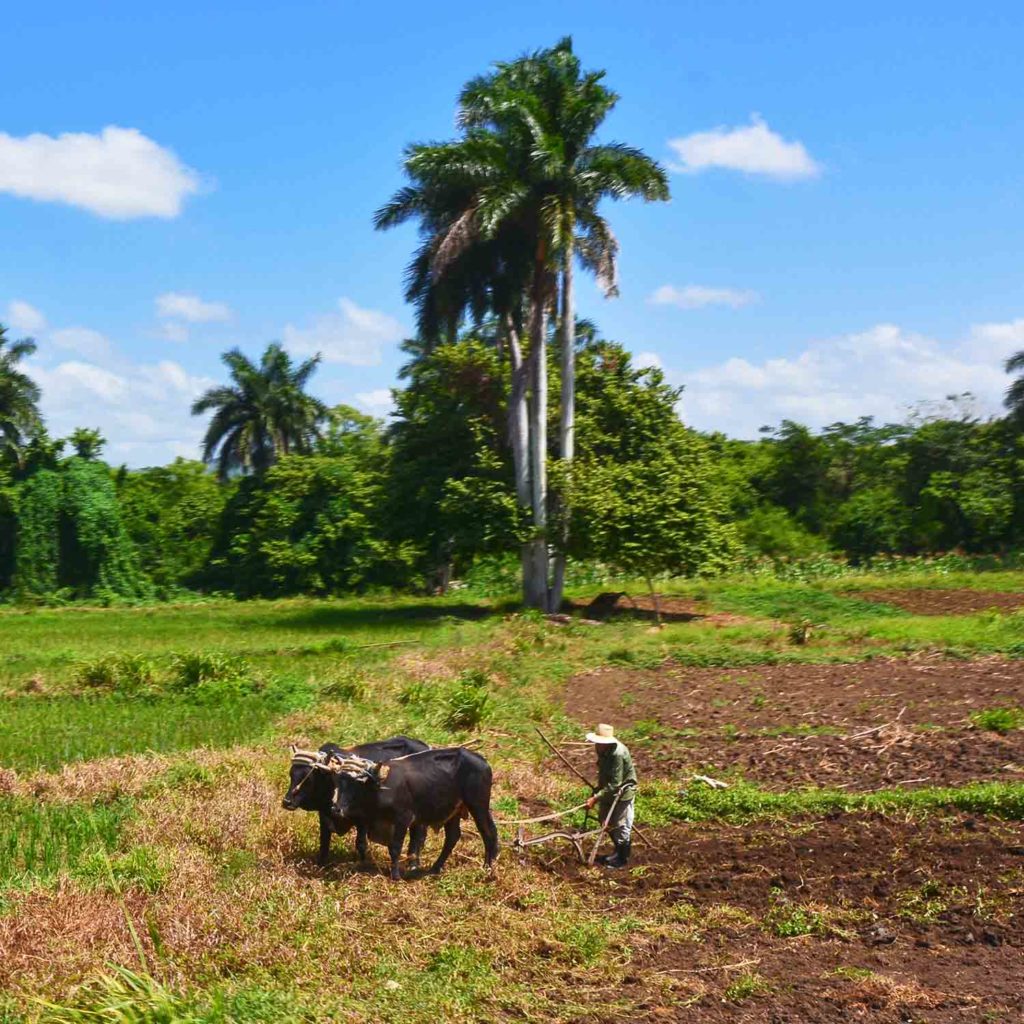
[19,394]
[264,413]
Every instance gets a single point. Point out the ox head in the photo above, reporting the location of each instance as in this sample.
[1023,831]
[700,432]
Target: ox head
[355,779]
[308,775]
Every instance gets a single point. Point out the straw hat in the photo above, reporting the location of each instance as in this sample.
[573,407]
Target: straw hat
[602,734]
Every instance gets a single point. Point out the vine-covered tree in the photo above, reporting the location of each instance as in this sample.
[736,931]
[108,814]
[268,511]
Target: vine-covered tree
[19,394]
[262,414]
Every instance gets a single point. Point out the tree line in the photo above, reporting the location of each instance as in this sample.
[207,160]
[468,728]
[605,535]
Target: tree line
[518,430]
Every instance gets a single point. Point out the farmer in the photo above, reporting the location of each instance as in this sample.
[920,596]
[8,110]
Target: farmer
[615,776]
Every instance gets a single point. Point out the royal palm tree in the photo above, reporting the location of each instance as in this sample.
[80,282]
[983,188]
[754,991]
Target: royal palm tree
[264,413]
[1014,400]
[19,394]
[528,177]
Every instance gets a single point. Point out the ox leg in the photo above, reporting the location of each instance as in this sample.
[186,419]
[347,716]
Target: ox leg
[395,845]
[417,837]
[361,845]
[325,840]
[489,832]
[452,832]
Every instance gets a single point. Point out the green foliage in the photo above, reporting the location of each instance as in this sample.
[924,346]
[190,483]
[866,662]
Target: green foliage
[772,531]
[141,868]
[40,502]
[40,840]
[642,493]
[130,674]
[262,415]
[1001,720]
[467,702]
[172,514]
[745,986]
[789,920]
[97,555]
[745,802]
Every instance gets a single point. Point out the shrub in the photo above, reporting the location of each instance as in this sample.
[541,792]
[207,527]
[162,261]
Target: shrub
[467,702]
[192,669]
[99,674]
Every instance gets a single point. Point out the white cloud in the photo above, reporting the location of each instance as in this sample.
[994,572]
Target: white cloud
[119,173]
[82,341]
[882,372]
[696,296]
[648,360]
[141,408]
[354,335]
[174,330]
[23,317]
[752,149]
[378,402]
[191,309]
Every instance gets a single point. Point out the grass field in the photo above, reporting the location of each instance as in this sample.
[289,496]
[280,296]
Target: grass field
[866,861]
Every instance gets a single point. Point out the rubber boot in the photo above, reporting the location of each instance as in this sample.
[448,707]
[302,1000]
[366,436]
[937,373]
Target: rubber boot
[621,857]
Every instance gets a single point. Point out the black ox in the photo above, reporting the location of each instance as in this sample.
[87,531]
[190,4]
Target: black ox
[311,788]
[436,788]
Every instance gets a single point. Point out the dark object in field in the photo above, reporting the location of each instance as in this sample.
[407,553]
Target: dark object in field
[436,789]
[311,788]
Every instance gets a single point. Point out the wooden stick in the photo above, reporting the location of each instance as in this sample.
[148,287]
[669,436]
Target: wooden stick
[561,757]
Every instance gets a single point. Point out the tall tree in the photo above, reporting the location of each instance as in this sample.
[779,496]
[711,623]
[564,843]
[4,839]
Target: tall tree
[547,110]
[19,394]
[505,212]
[264,413]
[1014,400]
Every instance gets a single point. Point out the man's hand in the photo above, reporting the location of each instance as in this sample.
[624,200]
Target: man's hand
[590,803]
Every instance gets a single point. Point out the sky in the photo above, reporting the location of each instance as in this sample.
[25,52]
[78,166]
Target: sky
[845,235]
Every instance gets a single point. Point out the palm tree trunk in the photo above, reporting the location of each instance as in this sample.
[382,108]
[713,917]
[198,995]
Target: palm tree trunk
[535,574]
[519,432]
[567,424]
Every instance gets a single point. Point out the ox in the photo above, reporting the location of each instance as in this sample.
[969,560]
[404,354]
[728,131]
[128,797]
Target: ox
[311,788]
[435,788]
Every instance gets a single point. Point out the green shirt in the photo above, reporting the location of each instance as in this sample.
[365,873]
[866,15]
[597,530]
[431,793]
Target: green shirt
[613,769]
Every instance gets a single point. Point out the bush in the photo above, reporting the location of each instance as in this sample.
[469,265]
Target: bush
[192,669]
[130,674]
[773,532]
[467,703]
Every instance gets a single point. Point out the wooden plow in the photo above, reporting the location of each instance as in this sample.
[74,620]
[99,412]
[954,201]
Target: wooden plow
[522,842]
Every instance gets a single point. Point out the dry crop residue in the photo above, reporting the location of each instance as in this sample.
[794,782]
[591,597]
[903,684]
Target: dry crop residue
[860,726]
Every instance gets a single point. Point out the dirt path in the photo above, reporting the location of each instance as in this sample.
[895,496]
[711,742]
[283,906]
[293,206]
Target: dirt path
[859,726]
[945,602]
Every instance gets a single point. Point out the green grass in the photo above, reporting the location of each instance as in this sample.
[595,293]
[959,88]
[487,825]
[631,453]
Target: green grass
[37,732]
[660,803]
[1001,720]
[39,840]
[52,642]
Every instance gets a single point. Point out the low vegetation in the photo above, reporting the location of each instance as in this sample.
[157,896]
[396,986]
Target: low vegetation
[143,789]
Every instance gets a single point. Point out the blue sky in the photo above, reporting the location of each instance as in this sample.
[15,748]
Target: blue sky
[844,237]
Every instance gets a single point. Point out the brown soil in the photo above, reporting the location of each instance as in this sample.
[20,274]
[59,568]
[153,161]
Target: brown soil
[909,920]
[859,726]
[946,602]
[641,606]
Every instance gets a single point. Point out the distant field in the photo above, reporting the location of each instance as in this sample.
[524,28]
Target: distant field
[864,862]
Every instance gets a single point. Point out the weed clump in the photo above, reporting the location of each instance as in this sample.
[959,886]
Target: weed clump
[127,674]
[468,702]
[1001,720]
